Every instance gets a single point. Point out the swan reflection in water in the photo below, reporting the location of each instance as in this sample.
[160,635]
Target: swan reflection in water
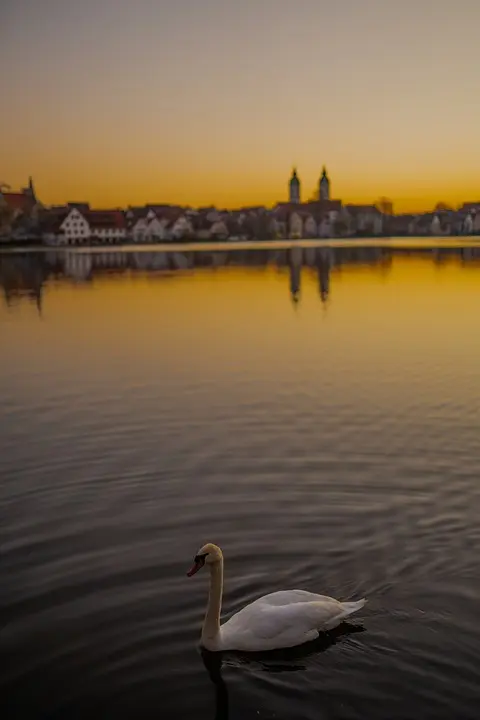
[274,661]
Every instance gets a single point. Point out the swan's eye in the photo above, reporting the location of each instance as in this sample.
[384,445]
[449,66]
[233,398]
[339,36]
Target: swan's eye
[200,559]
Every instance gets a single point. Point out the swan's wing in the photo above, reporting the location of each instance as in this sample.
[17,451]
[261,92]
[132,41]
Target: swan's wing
[302,616]
[288,597]
[265,626]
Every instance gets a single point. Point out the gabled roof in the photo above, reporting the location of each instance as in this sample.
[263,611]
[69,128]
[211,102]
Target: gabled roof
[359,209]
[106,219]
[172,214]
[16,201]
[81,206]
[320,207]
[135,213]
[201,222]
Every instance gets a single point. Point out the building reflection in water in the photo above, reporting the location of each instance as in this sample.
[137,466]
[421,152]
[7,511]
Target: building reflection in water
[320,258]
[324,260]
[295,257]
[23,275]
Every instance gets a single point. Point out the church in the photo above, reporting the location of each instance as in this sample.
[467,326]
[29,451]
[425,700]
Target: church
[322,194]
[312,219]
[18,210]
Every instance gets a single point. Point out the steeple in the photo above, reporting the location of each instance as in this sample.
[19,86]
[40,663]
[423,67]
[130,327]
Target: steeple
[324,186]
[294,188]
[31,189]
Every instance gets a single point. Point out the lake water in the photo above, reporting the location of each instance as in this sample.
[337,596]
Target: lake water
[316,412]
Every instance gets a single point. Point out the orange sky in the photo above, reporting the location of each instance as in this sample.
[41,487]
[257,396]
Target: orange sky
[211,102]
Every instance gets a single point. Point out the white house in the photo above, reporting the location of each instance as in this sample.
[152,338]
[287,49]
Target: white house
[467,226]
[150,228]
[157,230]
[77,227]
[219,230]
[436,227]
[182,228]
[310,229]
[139,230]
[296,226]
[74,230]
[471,223]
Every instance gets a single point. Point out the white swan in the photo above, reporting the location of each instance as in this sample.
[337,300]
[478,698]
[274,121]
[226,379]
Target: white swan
[279,620]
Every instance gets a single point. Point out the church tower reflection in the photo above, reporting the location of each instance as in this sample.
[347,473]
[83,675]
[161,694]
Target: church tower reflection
[295,256]
[324,264]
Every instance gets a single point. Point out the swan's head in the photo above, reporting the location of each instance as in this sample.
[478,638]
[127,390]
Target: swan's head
[209,554]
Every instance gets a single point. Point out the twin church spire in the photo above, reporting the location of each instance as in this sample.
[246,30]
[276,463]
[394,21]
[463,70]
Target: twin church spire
[295,187]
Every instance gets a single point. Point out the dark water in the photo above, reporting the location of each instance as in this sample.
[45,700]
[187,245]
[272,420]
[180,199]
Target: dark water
[315,412]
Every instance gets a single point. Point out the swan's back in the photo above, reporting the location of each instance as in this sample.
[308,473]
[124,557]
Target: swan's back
[289,597]
[283,619]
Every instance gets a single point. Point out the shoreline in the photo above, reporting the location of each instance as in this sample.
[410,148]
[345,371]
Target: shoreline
[451,241]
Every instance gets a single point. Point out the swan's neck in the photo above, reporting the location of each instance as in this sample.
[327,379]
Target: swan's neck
[211,624]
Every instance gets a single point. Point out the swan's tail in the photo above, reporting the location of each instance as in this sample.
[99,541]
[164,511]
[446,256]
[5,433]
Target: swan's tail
[352,607]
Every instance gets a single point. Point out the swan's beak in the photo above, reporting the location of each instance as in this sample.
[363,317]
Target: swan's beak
[194,569]
[197,565]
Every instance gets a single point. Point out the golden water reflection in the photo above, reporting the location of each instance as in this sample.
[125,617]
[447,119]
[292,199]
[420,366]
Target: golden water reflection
[25,275]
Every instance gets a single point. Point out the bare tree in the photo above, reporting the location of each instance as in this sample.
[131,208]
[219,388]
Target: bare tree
[442,207]
[385,206]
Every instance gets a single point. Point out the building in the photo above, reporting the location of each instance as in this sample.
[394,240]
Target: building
[294,188]
[310,227]
[153,223]
[72,226]
[18,210]
[364,219]
[324,186]
[182,228]
[295,223]
[107,226]
[74,229]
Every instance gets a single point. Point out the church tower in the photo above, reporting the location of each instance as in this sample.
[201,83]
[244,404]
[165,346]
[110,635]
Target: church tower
[324,186]
[31,189]
[29,192]
[294,187]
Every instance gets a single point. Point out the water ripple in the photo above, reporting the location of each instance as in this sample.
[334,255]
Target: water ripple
[332,449]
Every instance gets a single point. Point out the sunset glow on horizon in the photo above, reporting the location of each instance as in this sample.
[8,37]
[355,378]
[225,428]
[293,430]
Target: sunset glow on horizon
[211,102]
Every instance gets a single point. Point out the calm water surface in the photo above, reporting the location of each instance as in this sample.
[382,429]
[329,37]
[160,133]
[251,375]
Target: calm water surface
[315,412]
